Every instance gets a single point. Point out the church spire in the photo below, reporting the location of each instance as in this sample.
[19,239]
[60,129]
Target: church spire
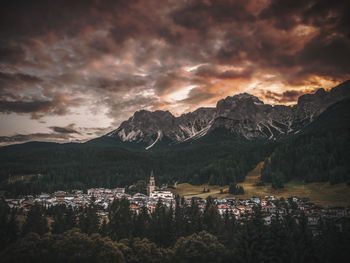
[152,184]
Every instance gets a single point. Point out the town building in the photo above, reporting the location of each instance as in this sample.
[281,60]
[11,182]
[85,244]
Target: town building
[163,194]
[151,185]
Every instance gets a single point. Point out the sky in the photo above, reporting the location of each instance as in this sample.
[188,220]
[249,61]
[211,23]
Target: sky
[74,70]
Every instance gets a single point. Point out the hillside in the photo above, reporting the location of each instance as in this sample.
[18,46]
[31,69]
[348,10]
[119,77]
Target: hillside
[321,193]
[317,152]
[321,152]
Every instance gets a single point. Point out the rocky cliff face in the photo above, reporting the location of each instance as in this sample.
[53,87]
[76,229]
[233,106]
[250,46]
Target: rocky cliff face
[243,115]
[148,127]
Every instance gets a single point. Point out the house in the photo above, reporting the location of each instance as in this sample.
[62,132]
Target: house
[77,192]
[134,207]
[222,208]
[241,208]
[163,194]
[255,200]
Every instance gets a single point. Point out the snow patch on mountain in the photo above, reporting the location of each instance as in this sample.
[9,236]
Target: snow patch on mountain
[242,115]
[158,137]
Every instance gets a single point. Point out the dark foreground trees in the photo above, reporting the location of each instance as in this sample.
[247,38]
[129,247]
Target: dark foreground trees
[72,246]
[201,247]
[182,234]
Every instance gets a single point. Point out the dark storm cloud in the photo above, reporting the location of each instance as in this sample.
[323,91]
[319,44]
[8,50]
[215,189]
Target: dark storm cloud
[325,55]
[125,83]
[200,15]
[18,77]
[11,53]
[25,106]
[116,57]
[287,96]
[68,129]
[38,108]
[286,14]
[64,17]
[282,13]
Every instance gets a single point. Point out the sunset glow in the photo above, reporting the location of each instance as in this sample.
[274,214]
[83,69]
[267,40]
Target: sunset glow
[86,66]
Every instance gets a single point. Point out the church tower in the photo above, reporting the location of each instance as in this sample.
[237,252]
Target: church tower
[152,184]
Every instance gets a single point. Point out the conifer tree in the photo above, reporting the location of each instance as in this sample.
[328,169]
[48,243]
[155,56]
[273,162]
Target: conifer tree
[36,221]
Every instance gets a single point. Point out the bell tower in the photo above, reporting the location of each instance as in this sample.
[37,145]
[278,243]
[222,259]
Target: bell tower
[152,184]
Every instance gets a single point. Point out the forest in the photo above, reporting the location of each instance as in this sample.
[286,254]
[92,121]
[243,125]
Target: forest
[320,153]
[81,166]
[180,234]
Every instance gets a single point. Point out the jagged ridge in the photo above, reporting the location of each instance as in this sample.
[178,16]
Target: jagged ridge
[243,115]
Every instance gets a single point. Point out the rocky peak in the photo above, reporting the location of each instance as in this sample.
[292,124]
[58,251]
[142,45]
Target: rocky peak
[241,106]
[243,115]
[311,105]
[154,119]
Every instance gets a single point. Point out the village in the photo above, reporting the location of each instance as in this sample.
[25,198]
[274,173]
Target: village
[240,208]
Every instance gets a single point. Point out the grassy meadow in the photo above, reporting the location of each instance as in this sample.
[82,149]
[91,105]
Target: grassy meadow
[319,193]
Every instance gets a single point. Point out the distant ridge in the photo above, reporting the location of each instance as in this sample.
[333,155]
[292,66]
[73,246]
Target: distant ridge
[242,115]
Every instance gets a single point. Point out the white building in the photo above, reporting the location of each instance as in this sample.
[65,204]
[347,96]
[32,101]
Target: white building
[164,194]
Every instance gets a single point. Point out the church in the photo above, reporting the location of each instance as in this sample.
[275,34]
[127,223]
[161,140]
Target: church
[151,185]
[156,193]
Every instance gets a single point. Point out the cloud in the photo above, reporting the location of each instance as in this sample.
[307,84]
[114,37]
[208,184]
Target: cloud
[8,78]
[69,129]
[11,53]
[123,83]
[25,107]
[20,138]
[200,15]
[110,58]
[288,96]
[38,108]
[212,72]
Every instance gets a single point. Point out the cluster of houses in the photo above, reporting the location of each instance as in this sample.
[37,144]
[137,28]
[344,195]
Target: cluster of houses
[101,197]
[242,209]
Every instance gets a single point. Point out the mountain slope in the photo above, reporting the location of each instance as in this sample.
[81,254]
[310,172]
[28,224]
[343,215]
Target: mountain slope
[309,142]
[242,115]
[320,152]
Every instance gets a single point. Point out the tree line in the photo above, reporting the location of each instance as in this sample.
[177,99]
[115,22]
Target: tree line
[67,167]
[180,234]
[319,153]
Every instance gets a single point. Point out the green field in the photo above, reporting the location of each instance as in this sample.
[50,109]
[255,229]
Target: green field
[319,193]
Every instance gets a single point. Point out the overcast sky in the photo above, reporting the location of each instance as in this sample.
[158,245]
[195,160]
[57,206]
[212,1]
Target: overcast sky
[71,70]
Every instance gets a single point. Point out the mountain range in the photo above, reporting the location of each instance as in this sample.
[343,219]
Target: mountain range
[243,116]
[308,141]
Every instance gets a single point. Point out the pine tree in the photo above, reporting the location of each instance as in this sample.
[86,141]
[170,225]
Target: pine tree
[141,223]
[120,219]
[88,219]
[8,224]
[36,221]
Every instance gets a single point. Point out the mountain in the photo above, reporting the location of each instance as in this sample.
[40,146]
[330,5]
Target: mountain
[243,116]
[218,144]
[320,152]
[148,128]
